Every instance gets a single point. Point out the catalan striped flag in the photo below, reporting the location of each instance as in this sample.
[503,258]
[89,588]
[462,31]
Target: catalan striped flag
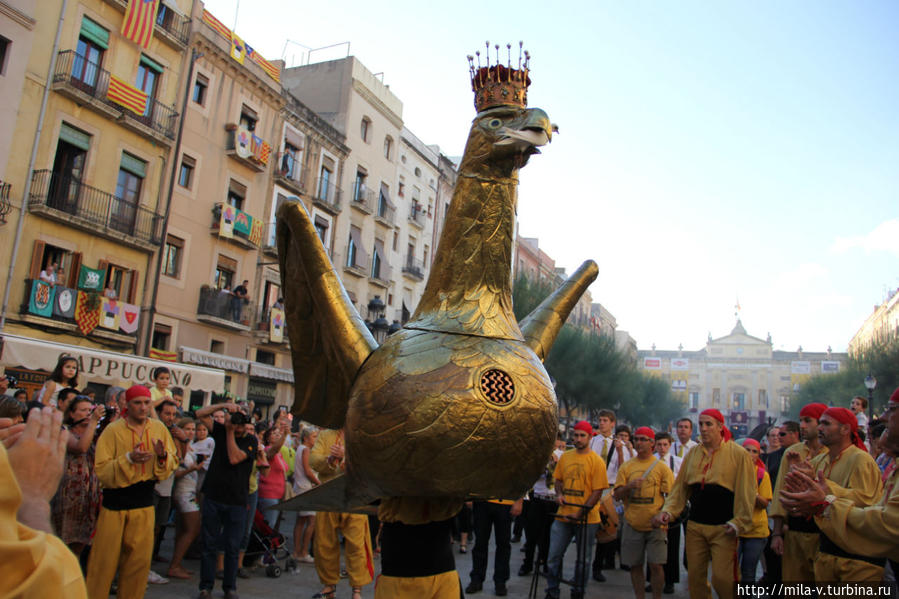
[273,71]
[217,25]
[161,354]
[140,17]
[126,95]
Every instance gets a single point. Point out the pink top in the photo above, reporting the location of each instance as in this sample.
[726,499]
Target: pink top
[274,482]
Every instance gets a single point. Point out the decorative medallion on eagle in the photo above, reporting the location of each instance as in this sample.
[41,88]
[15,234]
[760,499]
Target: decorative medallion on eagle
[456,404]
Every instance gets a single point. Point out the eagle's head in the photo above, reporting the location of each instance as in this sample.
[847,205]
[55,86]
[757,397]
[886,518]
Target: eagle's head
[503,138]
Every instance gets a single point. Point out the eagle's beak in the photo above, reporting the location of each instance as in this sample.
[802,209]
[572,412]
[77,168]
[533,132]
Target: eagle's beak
[536,131]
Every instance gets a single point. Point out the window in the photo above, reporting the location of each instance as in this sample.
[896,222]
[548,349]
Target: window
[739,401]
[364,128]
[694,400]
[66,263]
[716,396]
[174,251]
[324,184]
[162,336]
[186,172]
[417,172]
[290,166]
[218,347]
[123,281]
[123,212]
[424,255]
[396,240]
[376,262]
[401,188]
[164,16]
[93,40]
[265,357]
[359,185]
[201,84]
[321,229]
[224,272]
[784,403]
[236,194]
[148,73]
[4,52]
[68,169]
[352,249]
[388,146]
[384,204]
[270,294]
[248,118]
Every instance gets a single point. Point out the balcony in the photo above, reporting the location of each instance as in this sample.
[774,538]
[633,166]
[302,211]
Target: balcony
[66,199]
[289,172]
[50,318]
[327,196]
[237,226]
[244,147]
[363,198]
[171,27]
[220,308]
[417,216]
[360,266]
[414,269]
[87,84]
[386,214]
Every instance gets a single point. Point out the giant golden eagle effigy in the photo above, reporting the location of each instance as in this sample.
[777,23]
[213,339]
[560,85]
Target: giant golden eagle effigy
[457,404]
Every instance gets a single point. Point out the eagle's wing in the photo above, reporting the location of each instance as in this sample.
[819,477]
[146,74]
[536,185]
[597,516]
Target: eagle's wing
[328,339]
[541,326]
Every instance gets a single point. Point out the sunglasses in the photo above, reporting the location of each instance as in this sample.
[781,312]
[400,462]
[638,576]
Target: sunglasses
[782,434]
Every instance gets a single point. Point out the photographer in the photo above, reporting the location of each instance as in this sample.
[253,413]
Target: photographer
[225,494]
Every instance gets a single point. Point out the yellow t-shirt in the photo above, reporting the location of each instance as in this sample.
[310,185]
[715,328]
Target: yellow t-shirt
[580,474]
[759,528]
[646,501]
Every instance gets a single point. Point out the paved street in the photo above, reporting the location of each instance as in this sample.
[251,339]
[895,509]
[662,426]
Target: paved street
[303,583]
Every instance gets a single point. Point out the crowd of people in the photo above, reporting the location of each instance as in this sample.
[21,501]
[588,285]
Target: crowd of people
[812,500]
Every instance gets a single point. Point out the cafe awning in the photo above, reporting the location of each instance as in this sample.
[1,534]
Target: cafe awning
[103,366]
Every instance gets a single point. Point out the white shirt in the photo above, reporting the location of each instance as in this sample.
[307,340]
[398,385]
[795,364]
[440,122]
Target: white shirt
[615,463]
[681,449]
[597,444]
[672,461]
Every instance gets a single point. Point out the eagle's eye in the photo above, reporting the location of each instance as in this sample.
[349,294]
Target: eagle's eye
[494,123]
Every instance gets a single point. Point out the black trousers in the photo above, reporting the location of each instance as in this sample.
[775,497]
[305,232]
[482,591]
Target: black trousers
[491,516]
[536,529]
[773,565]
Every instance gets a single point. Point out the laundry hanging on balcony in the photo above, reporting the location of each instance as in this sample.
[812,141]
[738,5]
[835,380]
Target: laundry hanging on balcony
[126,95]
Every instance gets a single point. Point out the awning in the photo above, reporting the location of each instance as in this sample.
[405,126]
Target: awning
[270,372]
[208,358]
[104,366]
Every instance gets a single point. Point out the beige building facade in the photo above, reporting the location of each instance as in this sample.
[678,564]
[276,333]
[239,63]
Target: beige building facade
[880,327]
[740,375]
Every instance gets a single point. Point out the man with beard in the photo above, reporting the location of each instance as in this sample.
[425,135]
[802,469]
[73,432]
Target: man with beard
[718,478]
[797,542]
[871,531]
[580,479]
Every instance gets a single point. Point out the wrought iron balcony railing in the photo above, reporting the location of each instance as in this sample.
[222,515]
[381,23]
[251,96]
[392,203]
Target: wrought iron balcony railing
[65,193]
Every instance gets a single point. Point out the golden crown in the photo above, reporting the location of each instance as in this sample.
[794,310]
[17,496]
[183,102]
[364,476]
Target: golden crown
[498,84]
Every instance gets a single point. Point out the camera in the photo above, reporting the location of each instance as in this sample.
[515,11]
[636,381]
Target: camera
[13,381]
[238,418]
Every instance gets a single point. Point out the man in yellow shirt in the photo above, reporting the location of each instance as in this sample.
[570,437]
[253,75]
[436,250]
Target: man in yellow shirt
[34,563]
[870,531]
[719,480]
[642,483]
[132,454]
[796,539]
[852,474]
[327,459]
[580,478]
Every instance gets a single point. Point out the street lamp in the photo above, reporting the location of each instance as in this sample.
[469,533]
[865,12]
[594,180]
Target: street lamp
[377,324]
[870,384]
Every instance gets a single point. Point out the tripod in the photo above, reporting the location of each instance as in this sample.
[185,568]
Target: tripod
[580,557]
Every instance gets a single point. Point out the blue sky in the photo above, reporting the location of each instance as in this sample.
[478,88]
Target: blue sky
[707,151]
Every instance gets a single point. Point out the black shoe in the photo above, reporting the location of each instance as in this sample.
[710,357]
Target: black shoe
[474,587]
[576,595]
[598,576]
[501,590]
[516,539]
[242,573]
[669,589]
[204,594]
[625,568]
[524,570]
[648,588]
[231,595]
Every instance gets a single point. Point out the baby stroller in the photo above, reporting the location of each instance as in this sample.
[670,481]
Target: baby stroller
[270,546]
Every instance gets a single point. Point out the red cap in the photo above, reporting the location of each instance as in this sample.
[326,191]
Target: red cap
[645,431]
[894,398]
[137,391]
[583,425]
[725,432]
[844,416]
[812,410]
[752,443]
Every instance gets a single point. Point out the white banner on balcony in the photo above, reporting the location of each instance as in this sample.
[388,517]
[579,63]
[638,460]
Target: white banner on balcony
[103,366]
[208,358]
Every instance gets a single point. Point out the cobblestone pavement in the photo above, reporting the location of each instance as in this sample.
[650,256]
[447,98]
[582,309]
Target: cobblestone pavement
[303,583]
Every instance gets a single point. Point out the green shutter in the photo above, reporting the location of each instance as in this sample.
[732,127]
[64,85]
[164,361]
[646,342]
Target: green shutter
[95,33]
[77,138]
[133,165]
[150,63]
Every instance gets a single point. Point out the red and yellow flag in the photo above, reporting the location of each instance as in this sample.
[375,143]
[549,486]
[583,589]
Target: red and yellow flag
[126,95]
[160,354]
[217,25]
[86,318]
[140,17]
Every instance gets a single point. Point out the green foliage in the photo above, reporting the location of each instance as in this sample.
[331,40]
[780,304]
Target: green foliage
[591,373]
[880,359]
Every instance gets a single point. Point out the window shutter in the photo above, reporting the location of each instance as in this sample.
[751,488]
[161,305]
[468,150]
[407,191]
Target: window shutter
[132,292]
[37,256]
[74,136]
[75,270]
[151,64]
[95,33]
[133,165]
